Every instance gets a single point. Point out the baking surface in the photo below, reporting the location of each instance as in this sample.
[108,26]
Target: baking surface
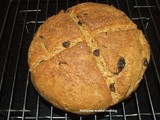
[18,98]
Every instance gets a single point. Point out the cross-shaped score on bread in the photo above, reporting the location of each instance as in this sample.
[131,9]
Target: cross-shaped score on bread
[90,57]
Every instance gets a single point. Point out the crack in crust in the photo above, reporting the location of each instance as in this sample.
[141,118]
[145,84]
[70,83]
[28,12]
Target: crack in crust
[92,44]
[57,50]
[114,28]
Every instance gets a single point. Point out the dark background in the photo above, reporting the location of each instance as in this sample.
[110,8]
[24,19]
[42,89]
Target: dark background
[18,99]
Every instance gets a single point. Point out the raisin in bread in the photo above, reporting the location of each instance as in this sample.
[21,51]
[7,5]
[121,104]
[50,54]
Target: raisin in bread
[89,57]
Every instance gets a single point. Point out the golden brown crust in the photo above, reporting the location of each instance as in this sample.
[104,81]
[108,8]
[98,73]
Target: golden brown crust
[101,16]
[114,45]
[51,35]
[90,57]
[72,81]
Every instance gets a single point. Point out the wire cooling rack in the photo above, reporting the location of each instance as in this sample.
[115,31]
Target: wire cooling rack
[18,98]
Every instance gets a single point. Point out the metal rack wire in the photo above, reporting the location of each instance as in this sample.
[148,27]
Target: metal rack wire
[19,100]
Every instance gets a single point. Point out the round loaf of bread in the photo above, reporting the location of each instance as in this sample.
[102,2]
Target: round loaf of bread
[87,58]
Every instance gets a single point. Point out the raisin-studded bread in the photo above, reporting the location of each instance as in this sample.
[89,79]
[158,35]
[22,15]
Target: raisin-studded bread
[89,57]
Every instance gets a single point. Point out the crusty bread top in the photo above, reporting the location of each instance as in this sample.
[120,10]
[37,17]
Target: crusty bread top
[90,56]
